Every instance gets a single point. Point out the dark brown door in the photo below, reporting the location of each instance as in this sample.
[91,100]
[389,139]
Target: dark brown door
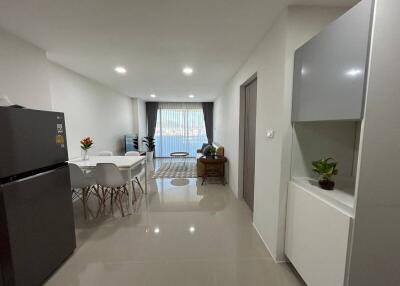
[250,102]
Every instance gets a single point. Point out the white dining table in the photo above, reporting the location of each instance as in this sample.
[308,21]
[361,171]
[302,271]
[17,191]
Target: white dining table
[124,163]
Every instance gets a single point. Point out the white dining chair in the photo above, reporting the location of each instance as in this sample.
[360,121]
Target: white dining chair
[82,186]
[112,183]
[137,172]
[105,153]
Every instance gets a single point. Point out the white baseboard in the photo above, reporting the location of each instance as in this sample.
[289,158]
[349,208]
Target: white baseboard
[276,260]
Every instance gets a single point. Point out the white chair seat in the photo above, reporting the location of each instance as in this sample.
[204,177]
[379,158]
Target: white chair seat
[78,179]
[108,175]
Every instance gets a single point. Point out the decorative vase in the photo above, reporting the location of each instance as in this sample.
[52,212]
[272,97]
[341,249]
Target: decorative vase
[149,156]
[85,154]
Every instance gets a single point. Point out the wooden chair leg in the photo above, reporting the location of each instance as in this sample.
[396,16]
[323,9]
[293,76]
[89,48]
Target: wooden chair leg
[105,190]
[75,194]
[91,190]
[120,202]
[103,197]
[100,199]
[84,202]
[113,195]
[134,191]
[140,185]
[125,192]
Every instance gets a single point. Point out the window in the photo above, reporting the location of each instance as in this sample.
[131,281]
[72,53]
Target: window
[180,127]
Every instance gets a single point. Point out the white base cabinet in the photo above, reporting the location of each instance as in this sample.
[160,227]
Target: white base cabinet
[317,236]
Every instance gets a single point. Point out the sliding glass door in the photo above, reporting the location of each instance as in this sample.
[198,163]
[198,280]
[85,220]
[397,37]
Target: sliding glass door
[180,127]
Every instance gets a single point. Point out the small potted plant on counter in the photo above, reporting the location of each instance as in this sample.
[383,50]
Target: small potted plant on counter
[149,142]
[326,169]
[86,144]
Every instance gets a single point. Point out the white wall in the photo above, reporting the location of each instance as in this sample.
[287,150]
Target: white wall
[273,62]
[23,73]
[91,109]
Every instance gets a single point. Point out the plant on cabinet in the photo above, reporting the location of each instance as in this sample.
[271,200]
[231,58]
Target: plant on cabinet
[326,169]
[149,142]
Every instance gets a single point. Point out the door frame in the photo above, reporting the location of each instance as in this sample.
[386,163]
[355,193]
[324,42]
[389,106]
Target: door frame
[241,131]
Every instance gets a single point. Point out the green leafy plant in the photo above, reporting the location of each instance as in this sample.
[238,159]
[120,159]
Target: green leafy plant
[213,150]
[326,169]
[149,142]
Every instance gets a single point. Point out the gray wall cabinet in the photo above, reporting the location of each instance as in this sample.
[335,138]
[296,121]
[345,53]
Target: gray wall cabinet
[329,70]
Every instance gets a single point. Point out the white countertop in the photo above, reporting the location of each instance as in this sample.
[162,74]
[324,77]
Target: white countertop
[342,199]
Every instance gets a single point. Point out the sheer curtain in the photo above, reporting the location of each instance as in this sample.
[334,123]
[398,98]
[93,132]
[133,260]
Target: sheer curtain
[180,127]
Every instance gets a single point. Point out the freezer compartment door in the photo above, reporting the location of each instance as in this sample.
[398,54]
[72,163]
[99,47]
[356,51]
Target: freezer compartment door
[30,140]
[38,233]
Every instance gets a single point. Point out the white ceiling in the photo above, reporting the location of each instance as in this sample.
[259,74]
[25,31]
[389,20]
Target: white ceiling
[153,39]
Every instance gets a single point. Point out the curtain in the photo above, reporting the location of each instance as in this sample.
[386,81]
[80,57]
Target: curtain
[209,120]
[180,127]
[151,113]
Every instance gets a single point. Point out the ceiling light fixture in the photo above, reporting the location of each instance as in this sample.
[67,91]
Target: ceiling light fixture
[191,95]
[153,95]
[120,70]
[187,70]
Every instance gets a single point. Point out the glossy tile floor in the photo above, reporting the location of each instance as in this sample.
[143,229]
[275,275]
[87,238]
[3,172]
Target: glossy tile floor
[182,233]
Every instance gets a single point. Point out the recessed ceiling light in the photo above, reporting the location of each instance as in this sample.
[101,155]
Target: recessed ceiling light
[153,95]
[192,229]
[354,72]
[120,70]
[157,230]
[187,70]
[191,95]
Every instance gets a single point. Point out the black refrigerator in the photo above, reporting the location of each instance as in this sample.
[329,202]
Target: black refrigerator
[37,230]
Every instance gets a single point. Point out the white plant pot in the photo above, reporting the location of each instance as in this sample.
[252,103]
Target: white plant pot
[149,156]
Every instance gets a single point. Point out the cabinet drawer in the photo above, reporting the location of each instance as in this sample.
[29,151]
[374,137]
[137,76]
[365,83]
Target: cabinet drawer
[316,238]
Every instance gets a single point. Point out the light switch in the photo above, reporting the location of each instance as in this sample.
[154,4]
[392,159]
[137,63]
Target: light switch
[270,133]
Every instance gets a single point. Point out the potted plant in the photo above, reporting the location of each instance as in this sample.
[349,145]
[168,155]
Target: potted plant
[86,144]
[326,169]
[149,142]
[213,151]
